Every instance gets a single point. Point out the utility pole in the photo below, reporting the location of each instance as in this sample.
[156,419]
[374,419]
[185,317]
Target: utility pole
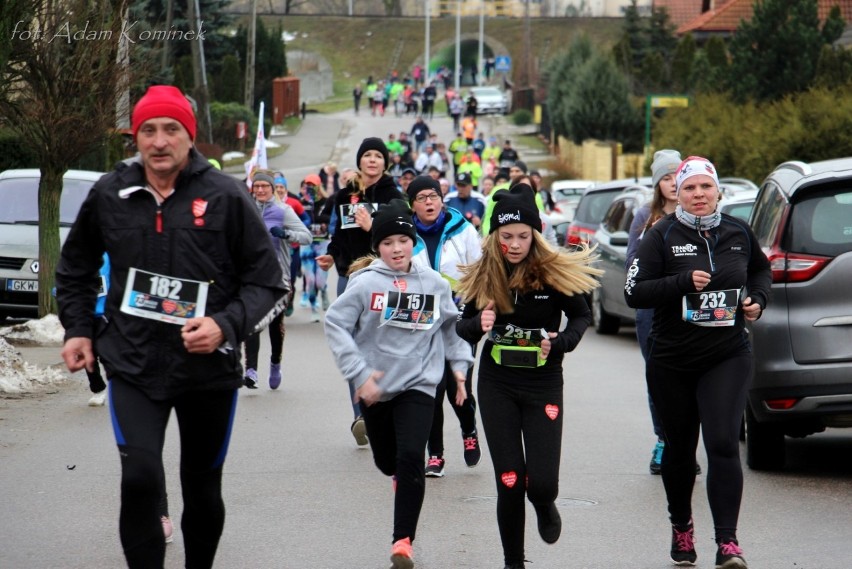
[481,55]
[457,72]
[427,48]
[252,38]
[166,51]
[199,68]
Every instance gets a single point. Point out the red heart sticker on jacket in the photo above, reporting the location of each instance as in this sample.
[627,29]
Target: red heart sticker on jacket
[509,479]
[551,411]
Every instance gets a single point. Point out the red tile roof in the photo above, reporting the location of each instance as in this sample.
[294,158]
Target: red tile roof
[726,17]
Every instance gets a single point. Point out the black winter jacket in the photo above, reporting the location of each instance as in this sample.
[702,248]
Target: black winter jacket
[533,311]
[207,230]
[346,245]
[661,274]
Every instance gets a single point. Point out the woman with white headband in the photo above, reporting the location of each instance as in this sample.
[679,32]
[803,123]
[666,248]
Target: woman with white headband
[705,274]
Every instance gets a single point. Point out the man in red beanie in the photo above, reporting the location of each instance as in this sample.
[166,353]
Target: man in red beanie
[193,273]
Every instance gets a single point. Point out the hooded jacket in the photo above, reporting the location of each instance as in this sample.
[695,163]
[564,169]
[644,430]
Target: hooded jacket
[207,230]
[348,244]
[276,214]
[458,244]
[411,358]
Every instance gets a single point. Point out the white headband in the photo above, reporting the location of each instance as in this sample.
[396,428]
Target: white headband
[694,166]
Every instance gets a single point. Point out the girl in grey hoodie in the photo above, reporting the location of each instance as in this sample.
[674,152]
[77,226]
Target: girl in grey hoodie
[390,333]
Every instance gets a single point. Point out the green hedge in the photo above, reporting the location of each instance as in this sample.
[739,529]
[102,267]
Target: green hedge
[749,140]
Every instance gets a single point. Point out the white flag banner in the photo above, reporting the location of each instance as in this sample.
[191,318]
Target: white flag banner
[258,154]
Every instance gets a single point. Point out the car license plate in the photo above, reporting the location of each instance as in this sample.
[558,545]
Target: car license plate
[17,285]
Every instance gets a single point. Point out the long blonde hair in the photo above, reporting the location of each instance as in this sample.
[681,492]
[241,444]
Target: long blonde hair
[490,278]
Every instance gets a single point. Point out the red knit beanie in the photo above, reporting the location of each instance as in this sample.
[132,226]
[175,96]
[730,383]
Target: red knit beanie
[164,101]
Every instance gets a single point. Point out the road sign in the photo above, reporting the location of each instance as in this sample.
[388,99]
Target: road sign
[669,101]
[502,63]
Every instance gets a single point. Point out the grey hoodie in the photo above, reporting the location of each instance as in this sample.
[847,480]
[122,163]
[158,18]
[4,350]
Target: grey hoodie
[409,349]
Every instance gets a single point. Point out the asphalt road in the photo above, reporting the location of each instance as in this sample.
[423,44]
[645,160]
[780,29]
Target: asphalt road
[301,495]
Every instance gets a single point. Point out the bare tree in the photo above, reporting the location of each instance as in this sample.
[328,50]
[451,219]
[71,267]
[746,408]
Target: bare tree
[63,81]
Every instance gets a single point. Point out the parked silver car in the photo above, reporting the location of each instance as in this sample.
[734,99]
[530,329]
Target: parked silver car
[803,341]
[609,310]
[490,100]
[19,250]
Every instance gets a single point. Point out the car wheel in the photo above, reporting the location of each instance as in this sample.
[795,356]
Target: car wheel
[765,447]
[604,323]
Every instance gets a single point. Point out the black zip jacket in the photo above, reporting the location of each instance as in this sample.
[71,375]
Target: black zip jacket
[661,274]
[207,230]
[346,245]
[533,311]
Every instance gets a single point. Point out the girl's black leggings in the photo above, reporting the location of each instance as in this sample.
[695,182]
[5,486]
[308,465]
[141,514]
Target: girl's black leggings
[139,424]
[276,341]
[523,427]
[398,430]
[710,399]
[466,413]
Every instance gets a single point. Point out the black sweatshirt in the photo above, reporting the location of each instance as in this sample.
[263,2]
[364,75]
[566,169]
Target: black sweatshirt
[532,311]
[661,274]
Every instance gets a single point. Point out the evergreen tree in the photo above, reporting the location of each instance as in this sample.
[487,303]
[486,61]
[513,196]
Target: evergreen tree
[229,88]
[834,69]
[834,25]
[777,51]
[600,107]
[269,60]
[717,59]
[559,76]
[683,61]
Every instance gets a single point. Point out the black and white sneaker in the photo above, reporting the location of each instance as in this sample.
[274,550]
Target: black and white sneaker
[251,378]
[683,545]
[435,467]
[472,452]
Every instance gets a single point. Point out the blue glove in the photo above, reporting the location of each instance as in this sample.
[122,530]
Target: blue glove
[278,232]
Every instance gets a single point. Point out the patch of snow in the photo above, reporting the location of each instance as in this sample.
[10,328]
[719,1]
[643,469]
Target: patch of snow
[46,331]
[233,155]
[288,37]
[18,376]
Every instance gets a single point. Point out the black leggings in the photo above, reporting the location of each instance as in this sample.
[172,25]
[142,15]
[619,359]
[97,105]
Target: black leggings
[139,424]
[277,332]
[398,430]
[466,413]
[523,427]
[711,399]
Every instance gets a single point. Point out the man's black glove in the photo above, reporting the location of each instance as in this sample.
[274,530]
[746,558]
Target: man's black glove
[279,232]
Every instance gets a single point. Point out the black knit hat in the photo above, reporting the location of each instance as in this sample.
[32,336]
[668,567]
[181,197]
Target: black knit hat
[372,143]
[515,206]
[393,218]
[421,183]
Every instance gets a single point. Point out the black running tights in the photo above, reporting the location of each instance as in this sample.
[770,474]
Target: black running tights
[466,413]
[139,424]
[398,430]
[710,400]
[523,427]
[276,341]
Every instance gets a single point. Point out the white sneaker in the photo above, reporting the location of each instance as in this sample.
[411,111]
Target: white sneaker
[98,399]
[315,317]
[168,529]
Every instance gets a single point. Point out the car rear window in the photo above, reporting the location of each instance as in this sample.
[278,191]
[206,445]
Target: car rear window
[19,197]
[821,222]
[593,206]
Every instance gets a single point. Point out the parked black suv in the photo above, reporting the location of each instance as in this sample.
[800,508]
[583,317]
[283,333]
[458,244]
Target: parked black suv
[803,342]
